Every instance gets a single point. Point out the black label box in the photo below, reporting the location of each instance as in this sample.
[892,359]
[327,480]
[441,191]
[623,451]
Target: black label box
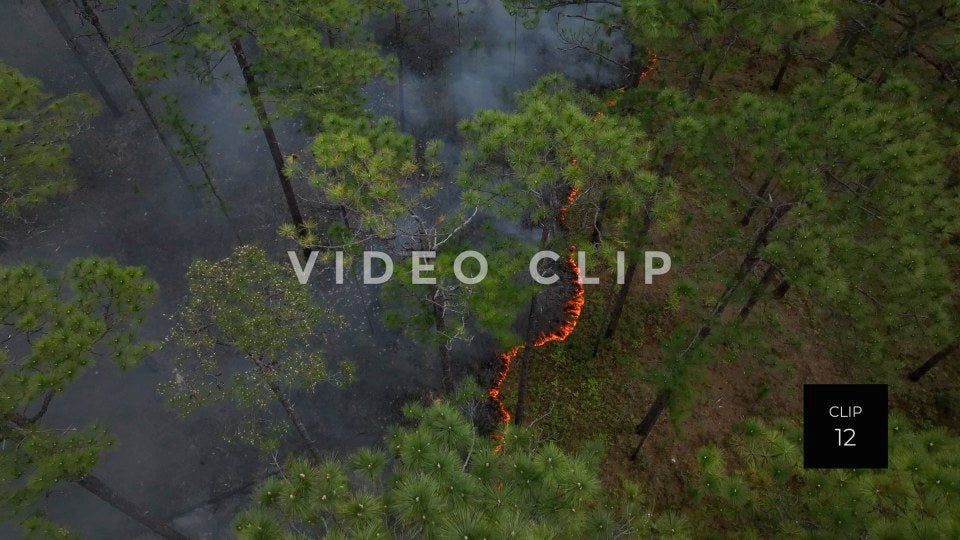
[845,426]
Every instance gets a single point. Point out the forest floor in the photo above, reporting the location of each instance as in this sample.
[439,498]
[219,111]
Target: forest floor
[784,344]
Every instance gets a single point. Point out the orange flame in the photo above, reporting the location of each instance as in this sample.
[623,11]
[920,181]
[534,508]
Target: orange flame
[506,359]
[571,310]
[651,64]
[571,196]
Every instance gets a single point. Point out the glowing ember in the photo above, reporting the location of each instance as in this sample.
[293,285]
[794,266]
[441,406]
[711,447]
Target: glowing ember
[571,315]
[505,360]
[572,196]
[651,64]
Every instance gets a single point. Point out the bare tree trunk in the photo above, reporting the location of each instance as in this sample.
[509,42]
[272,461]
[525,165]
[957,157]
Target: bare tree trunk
[650,420]
[296,421]
[758,292]
[267,127]
[616,309]
[916,374]
[91,16]
[596,237]
[525,358]
[44,405]
[756,202]
[622,293]
[221,204]
[459,31]
[749,261]
[132,510]
[787,59]
[525,355]
[80,54]
[401,31]
[446,368]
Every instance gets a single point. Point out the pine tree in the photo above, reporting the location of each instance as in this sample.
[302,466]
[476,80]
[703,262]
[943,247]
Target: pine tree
[248,335]
[371,176]
[875,244]
[79,52]
[851,211]
[533,165]
[440,478]
[448,312]
[311,59]
[702,39]
[918,39]
[56,328]
[597,28]
[34,128]
[674,122]
[194,141]
[762,490]
[90,16]
[932,362]
[384,192]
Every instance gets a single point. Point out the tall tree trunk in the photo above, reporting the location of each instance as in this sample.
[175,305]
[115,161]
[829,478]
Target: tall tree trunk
[525,358]
[459,31]
[787,59]
[369,306]
[267,127]
[596,237]
[513,69]
[296,421]
[446,368]
[616,308]
[91,16]
[221,204]
[749,261]
[44,405]
[758,292]
[425,5]
[80,54]
[134,511]
[756,202]
[622,293]
[916,374]
[401,49]
[650,420]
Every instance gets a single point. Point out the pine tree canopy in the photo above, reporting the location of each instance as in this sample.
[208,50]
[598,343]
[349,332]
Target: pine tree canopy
[56,328]
[768,493]
[439,478]
[34,153]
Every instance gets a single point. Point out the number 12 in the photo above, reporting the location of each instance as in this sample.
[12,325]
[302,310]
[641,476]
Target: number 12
[840,434]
